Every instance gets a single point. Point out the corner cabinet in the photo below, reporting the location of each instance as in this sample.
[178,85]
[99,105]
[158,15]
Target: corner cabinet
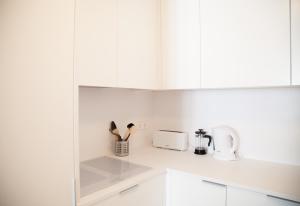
[295,34]
[148,193]
[238,197]
[187,189]
[180,44]
[245,43]
[117,43]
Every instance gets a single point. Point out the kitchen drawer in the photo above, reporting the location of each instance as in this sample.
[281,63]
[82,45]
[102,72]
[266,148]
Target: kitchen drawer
[238,197]
[148,193]
[186,189]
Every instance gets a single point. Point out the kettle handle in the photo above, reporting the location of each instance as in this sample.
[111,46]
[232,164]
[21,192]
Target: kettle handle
[235,141]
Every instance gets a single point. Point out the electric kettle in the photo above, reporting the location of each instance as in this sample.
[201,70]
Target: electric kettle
[226,143]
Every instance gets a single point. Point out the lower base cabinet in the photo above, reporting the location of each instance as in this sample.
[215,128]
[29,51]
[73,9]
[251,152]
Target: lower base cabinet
[238,197]
[183,189]
[148,193]
[189,190]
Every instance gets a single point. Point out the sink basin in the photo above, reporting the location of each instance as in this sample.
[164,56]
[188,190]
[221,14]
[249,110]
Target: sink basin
[102,172]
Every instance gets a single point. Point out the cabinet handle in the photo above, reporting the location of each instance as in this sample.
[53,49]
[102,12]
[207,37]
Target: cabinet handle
[213,183]
[280,198]
[129,189]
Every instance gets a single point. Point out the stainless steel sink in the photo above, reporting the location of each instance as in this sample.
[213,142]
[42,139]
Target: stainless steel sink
[102,172]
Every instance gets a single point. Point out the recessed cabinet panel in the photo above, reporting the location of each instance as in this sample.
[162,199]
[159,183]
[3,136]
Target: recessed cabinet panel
[138,44]
[96,42]
[295,29]
[238,197]
[180,44]
[245,43]
[186,189]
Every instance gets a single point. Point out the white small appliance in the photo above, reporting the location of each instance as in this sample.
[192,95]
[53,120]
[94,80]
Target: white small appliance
[226,142]
[169,139]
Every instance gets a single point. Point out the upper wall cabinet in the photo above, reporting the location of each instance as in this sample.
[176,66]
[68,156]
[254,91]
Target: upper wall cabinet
[117,43]
[96,43]
[295,28]
[138,43]
[245,43]
[180,44]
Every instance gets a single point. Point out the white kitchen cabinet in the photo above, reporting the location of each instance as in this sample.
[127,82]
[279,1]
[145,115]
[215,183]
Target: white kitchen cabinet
[245,43]
[96,43]
[186,189]
[149,193]
[36,92]
[238,197]
[138,43]
[117,43]
[180,44]
[295,34]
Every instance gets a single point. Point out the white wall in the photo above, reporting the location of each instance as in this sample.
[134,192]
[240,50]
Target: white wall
[267,120]
[99,106]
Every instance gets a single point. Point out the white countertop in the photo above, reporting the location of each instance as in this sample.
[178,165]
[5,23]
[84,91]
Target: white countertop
[266,177]
[103,172]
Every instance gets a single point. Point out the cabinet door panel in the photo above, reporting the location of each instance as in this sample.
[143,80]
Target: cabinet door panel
[295,23]
[36,103]
[96,42]
[138,43]
[148,193]
[238,197]
[245,43]
[180,44]
[185,189]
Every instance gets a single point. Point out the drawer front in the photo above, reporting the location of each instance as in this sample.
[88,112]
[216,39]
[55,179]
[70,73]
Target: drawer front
[148,193]
[237,197]
[186,189]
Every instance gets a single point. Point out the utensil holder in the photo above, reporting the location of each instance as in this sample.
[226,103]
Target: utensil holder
[122,148]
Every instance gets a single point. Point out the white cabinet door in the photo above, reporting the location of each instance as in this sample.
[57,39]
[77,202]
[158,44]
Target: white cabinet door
[180,44]
[245,43]
[96,42]
[138,43]
[186,189]
[149,193]
[295,29]
[238,197]
[36,103]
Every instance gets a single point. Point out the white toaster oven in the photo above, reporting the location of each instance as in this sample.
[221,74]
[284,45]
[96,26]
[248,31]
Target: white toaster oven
[169,139]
